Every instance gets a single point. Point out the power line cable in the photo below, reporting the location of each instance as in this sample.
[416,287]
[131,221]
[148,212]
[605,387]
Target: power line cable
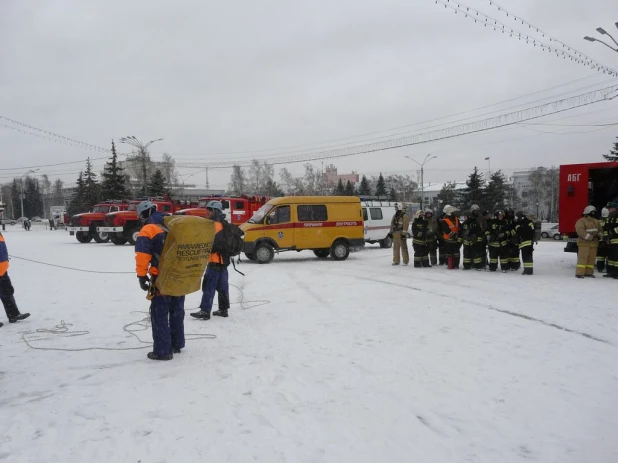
[566,52]
[566,104]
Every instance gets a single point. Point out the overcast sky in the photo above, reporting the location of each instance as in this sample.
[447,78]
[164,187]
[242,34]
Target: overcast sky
[239,77]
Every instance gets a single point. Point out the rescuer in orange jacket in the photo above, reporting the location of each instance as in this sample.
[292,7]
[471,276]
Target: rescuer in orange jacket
[216,276]
[6,287]
[167,313]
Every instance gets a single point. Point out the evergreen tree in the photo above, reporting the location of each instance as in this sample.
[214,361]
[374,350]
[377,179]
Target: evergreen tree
[339,189]
[392,195]
[447,195]
[156,186]
[349,189]
[364,188]
[76,205]
[495,192]
[113,185]
[381,186]
[92,191]
[613,153]
[33,199]
[473,193]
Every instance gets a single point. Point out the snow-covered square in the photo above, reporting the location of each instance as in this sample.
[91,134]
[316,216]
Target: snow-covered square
[319,361]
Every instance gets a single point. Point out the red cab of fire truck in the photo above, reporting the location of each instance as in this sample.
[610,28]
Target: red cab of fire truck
[581,185]
[238,209]
[84,226]
[123,226]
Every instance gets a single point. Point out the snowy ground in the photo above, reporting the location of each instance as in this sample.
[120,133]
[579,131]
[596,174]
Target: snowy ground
[353,361]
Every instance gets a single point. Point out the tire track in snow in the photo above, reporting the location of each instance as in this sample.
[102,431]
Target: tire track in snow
[476,303]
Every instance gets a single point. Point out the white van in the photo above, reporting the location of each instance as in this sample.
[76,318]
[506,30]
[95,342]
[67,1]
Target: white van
[377,216]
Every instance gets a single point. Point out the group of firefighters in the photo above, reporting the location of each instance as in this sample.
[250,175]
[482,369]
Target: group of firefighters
[505,236]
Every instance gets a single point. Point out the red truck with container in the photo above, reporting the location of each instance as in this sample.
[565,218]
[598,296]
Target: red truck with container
[238,209]
[581,185]
[85,226]
[123,226]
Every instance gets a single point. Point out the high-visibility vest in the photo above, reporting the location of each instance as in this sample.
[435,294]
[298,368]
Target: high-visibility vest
[453,226]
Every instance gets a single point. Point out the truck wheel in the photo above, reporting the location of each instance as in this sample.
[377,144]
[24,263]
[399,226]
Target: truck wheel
[264,253]
[340,250]
[250,255]
[386,242]
[101,237]
[118,240]
[132,238]
[83,237]
[321,253]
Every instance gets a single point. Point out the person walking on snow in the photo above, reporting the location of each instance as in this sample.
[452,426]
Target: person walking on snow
[216,276]
[6,287]
[399,230]
[167,313]
[588,233]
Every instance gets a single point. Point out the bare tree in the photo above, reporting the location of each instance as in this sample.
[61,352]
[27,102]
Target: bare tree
[168,169]
[541,197]
[238,181]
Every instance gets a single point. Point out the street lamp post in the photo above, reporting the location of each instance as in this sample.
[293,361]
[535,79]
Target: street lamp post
[422,164]
[602,31]
[133,141]
[31,171]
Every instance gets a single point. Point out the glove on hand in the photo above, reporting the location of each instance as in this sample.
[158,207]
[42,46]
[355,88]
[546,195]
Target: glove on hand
[144,283]
[588,237]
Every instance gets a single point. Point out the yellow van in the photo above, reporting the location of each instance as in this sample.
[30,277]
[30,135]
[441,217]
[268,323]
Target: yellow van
[326,225]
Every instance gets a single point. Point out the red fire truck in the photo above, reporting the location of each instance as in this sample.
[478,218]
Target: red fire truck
[582,185]
[84,226]
[238,209]
[123,226]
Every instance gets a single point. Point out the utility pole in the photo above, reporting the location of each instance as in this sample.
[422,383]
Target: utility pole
[143,156]
[425,161]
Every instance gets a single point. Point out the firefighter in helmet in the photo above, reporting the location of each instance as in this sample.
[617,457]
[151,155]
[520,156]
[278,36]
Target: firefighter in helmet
[497,239]
[450,228]
[512,241]
[420,229]
[399,230]
[524,232]
[611,238]
[603,245]
[588,233]
[433,231]
[473,239]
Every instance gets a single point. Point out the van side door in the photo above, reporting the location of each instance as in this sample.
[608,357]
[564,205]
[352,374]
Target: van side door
[312,227]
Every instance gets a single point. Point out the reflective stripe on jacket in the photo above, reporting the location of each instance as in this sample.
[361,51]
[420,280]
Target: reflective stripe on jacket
[4,256]
[149,245]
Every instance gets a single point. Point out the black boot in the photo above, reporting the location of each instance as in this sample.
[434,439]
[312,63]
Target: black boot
[201,315]
[152,356]
[1,324]
[220,313]
[176,351]
[16,318]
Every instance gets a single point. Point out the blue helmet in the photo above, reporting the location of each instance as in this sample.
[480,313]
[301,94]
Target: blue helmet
[145,206]
[215,205]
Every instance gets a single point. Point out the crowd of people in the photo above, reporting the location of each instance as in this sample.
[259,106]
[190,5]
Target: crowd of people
[477,240]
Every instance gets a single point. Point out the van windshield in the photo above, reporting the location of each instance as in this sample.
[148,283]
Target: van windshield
[259,215]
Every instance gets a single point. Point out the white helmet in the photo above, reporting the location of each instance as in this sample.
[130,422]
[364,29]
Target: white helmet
[445,208]
[589,210]
[474,207]
[397,206]
[419,214]
[605,212]
[428,211]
